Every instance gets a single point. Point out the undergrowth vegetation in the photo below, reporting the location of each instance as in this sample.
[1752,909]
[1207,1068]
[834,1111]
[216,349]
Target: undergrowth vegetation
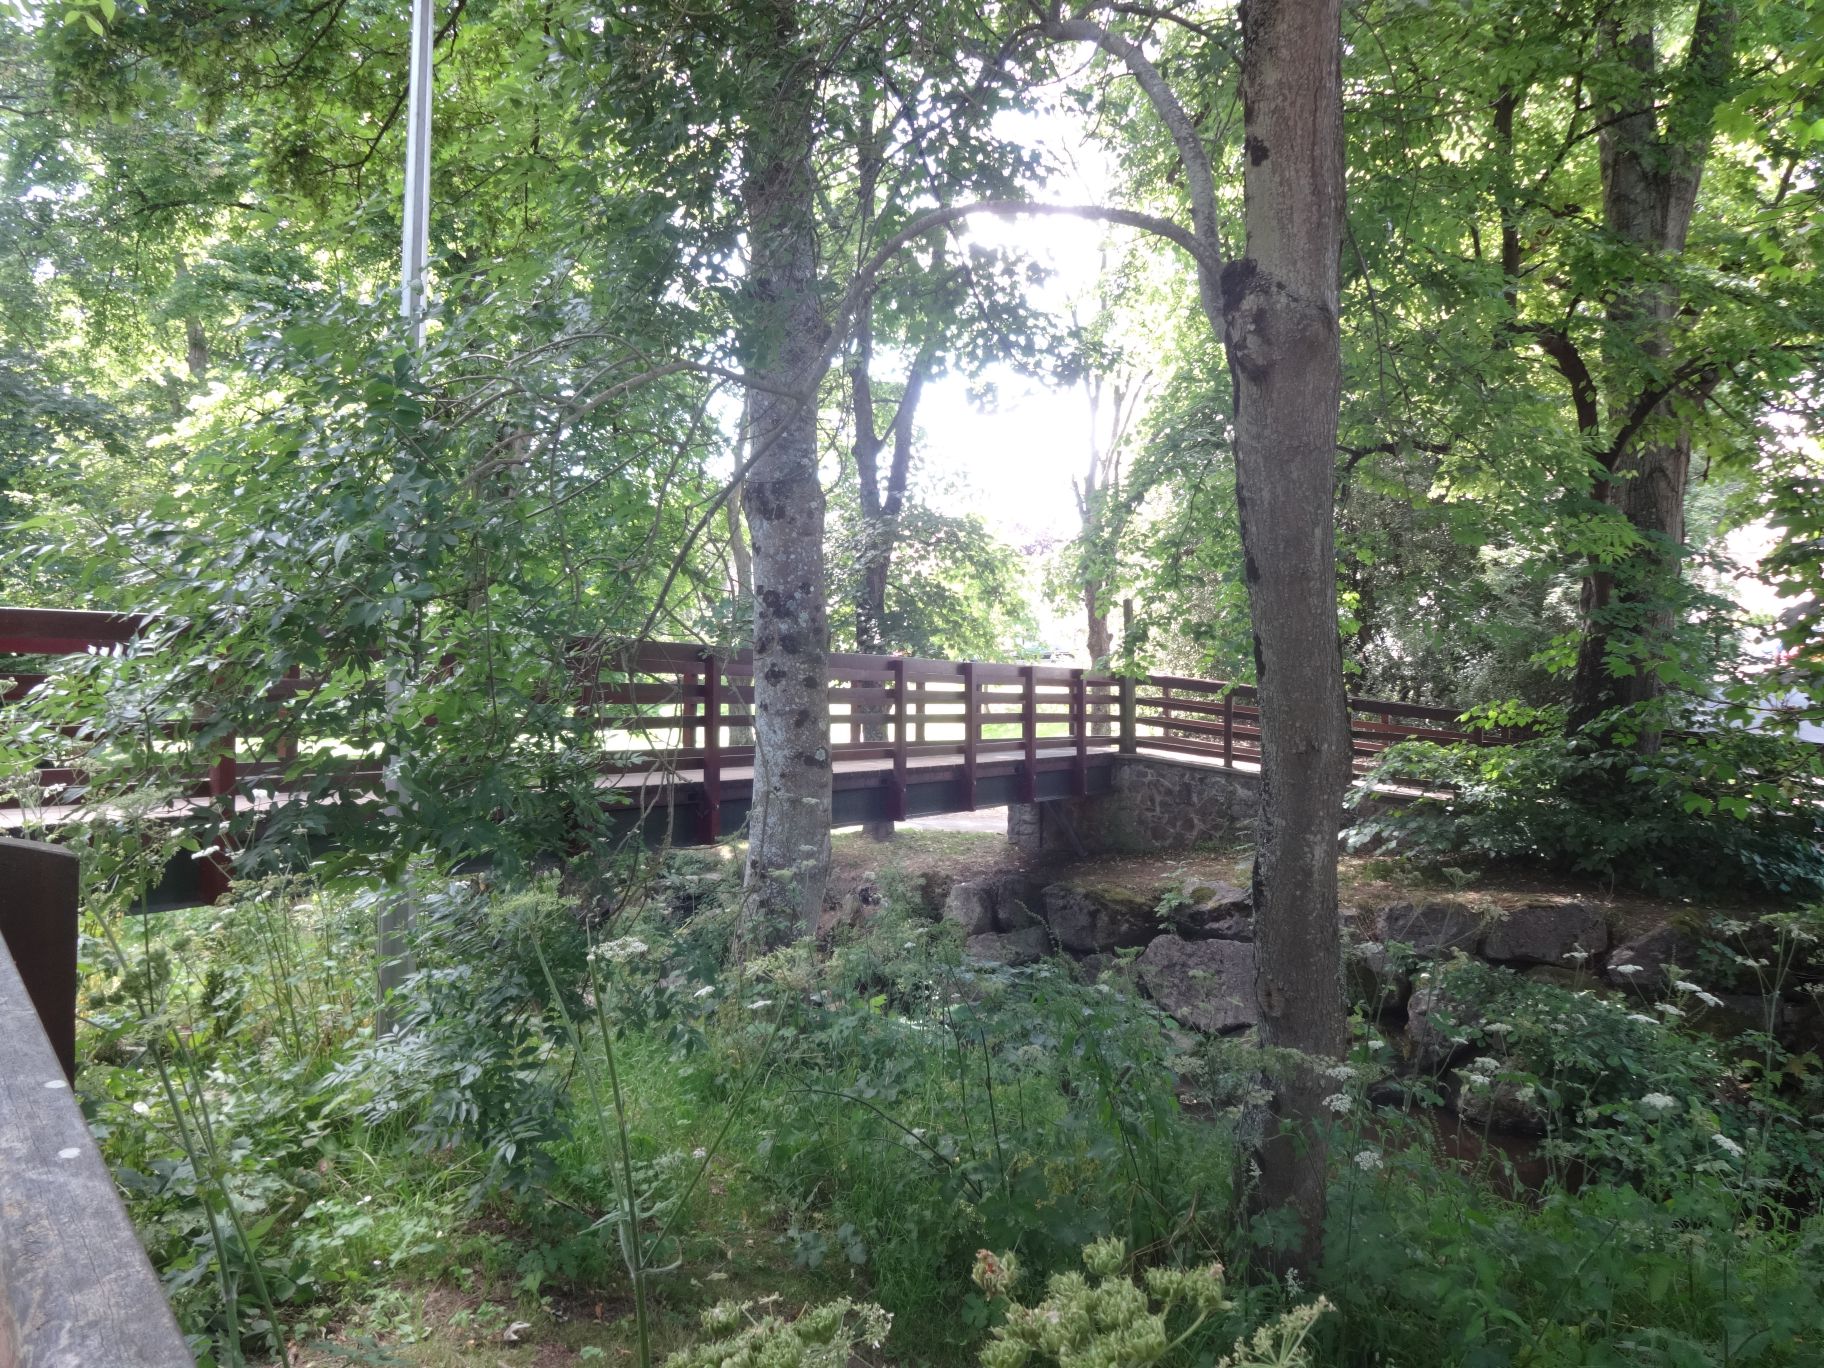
[1724,811]
[609,1137]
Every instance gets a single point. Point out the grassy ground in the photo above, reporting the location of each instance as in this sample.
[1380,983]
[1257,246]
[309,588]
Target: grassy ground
[860,1122]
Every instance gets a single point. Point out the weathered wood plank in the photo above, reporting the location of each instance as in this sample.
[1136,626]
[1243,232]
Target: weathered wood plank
[76,1290]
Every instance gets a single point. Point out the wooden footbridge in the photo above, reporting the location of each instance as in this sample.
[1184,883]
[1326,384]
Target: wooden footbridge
[670,727]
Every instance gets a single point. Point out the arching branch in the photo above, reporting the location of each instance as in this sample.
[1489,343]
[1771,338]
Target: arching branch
[861,286]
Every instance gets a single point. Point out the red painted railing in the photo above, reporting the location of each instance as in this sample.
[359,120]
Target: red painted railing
[685,713]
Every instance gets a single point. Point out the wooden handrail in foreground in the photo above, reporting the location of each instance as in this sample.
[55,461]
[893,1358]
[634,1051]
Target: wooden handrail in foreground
[76,1290]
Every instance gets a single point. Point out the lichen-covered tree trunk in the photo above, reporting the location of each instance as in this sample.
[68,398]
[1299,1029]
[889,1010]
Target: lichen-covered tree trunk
[1280,305]
[782,340]
[1652,165]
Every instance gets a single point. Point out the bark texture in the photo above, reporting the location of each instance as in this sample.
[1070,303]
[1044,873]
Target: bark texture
[1276,311]
[783,344]
[1652,166]
[1280,305]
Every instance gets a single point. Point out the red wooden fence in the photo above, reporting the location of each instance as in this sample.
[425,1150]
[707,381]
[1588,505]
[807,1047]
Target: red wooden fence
[684,713]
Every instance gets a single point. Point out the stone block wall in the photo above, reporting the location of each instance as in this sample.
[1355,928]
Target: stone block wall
[1155,805]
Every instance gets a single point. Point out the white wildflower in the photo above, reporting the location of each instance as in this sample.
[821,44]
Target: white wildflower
[621,950]
[1338,1103]
[758,1003]
[1368,1161]
[1727,1146]
[1659,1102]
[1686,986]
[1642,1016]
[1670,1010]
[1577,956]
[1483,1064]
[1341,1072]
[1709,999]
[704,991]
[1626,969]
[1498,1028]
[699,1153]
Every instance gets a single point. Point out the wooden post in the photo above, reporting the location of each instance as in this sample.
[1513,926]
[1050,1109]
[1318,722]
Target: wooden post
[972,725]
[1228,728]
[1029,733]
[688,679]
[712,748]
[38,925]
[1130,720]
[223,775]
[924,688]
[896,797]
[1079,728]
[1165,709]
[286,748]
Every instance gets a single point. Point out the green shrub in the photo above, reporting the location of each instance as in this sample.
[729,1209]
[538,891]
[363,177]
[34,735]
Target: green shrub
[1727,811]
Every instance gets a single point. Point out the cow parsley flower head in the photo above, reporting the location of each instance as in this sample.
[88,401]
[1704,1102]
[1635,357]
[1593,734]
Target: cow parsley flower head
[1368,1161]
[1338,1103]
[1727,1146]
[621,950]
[1626,969]
[1659,1102]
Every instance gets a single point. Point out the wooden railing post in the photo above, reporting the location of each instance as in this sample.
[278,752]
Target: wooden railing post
[38,925]
[1079,729]
[1029,733]
[712,748]
[1228,728]
[896,803]
[1130,719]
[224,774]
[688,680]
[1165,709]
[972,726]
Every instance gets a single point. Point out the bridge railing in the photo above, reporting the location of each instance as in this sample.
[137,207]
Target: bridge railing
[75,1285]
[1220,720]
[683,714]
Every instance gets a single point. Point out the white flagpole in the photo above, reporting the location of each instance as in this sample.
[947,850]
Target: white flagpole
[417,171]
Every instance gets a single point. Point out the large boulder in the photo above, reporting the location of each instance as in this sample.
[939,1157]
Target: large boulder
[1009,947]
[1002,902]
[1208,909]
[1641,963]
[1500,1103]
[1206,984]
[1547,933]
[970,906]
[1432,928]
[1375,978]
[1438,1028]
[1087,916]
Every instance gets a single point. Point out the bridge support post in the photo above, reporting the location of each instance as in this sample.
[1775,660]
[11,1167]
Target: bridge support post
[1029,733]
[38,925]
[712,749]
[1079,730]
[896,799]
[224,775]
[1130,737]
[972,726]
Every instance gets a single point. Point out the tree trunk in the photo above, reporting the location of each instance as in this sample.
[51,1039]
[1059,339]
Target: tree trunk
[1280,304]
[782,340]
[1650,179]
